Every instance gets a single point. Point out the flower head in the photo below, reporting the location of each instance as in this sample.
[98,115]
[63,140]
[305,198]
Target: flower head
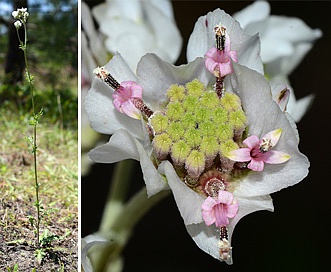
[189,131]
[18,24]
[21,14]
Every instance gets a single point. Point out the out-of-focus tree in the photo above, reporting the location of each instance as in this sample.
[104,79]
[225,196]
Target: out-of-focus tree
[53,46]
[14,62]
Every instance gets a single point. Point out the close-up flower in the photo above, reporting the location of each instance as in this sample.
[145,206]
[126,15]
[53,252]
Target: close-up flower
[201,142]
[199,131]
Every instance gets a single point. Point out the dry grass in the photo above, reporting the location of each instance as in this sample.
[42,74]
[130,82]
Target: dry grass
[57,166]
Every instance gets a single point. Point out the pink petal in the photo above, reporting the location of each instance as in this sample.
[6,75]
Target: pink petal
[232,210]
[211,65]
[209,217]
[275,157]
[252,141]
[118,104]
[212,53]
[225,197]
[256,165]
[221,212]
[240,155]
[208,213]
[130,110]
[135,89]
[208,204]
[233,55]
[225,68]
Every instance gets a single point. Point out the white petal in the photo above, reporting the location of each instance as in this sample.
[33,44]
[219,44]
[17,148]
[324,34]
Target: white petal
[87,243]
[88,62]
[203,38]
[297,108]
[264,115]
[280,32]
[188,202]
[256,11]
[95,43]
[206,238]
[284,65]
[164,6]
[270,52]
[119,69]
[156,76]
[121,146]
[132,41]
[166,33]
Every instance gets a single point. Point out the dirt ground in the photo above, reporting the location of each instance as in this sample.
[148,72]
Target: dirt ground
[17,235]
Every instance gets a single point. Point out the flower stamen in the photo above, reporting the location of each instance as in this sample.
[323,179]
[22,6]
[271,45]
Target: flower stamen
[104,75]
[218,59]
[265,145]
[220,37]
[127,95]
[224,245]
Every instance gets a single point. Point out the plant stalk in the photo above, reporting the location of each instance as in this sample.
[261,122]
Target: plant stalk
[35,123]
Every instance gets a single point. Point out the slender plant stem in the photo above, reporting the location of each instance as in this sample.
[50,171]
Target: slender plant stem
[117,193]
[35,122]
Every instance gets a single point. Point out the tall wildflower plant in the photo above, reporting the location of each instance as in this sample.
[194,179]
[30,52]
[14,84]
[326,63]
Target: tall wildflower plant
[21,15]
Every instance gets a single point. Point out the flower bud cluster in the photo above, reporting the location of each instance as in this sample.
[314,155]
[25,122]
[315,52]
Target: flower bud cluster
[196,127]
[21,15]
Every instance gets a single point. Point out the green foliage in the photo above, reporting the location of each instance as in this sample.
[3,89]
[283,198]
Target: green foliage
[14,269]
[52,56]
[40,254]
[45,100]
[47,238]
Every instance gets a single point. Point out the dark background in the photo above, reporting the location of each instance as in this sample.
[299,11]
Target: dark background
[296,237]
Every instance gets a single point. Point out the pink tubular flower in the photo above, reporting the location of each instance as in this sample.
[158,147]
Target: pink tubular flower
[219,210]
[124,97]
[259,151]
[218,62]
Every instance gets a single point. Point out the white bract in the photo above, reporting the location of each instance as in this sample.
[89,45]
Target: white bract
[134,27]
[284,43]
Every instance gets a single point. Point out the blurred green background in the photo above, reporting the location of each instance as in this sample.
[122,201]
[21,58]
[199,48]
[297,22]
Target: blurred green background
[52,55]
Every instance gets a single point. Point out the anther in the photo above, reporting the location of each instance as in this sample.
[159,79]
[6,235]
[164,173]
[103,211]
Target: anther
[220,45]
[220,37]
[265,145]
[104,75]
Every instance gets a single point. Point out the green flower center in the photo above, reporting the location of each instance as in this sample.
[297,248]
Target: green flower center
[197,129]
